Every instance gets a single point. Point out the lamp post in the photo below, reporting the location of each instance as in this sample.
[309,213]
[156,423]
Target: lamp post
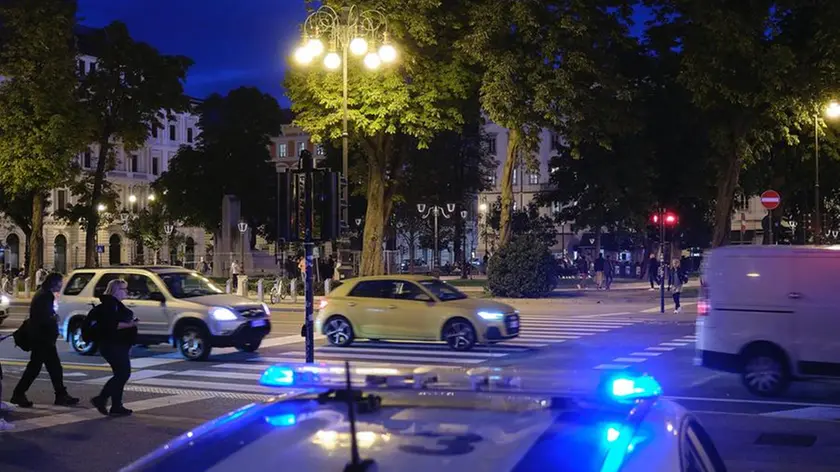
[831,111]
[435,211]
[350,30]
[243,228]
[483,209]
[463,215]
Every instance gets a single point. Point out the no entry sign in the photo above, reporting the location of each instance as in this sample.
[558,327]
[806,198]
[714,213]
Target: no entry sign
[770,199]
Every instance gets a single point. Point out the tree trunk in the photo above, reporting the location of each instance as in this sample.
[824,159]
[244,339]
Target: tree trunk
[597,231]
[507,187]
[727,182]
[374,222]
[92,225]
[35,258]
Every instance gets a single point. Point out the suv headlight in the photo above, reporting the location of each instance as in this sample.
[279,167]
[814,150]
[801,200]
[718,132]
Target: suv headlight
[222,314]
[4,300]
[266,310]
[491,315]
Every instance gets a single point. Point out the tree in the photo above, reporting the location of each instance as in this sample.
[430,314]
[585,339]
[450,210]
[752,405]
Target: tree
[757,70]
[392,110]
[131,90]
[523,268]
[536,56]
[231,157]
[40,120]
[18,208]
[148,227]
[526,221]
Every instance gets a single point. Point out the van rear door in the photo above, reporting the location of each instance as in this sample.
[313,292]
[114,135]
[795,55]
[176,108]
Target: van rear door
[817,298]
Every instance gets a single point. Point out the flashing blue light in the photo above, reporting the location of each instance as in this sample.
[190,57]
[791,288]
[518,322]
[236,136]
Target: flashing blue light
[633,387]
[619,446]
[278,376]
[612,434]
[281,421]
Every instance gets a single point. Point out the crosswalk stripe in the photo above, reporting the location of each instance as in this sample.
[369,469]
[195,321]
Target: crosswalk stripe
[520,341]
[527,322]
[351,350]
[550,338]
[564,331]
[629,359]
[200,385]
[611,366]
[419,360]
[220,375]
[435,348]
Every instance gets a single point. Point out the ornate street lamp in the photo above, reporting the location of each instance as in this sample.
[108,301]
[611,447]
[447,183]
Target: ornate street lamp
[340,33]
[435,211]
[243,228]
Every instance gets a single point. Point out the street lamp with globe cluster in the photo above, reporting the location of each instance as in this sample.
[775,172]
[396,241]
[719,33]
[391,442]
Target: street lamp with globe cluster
[340,33]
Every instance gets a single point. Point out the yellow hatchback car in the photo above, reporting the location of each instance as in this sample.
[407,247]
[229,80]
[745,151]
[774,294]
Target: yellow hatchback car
[418,308]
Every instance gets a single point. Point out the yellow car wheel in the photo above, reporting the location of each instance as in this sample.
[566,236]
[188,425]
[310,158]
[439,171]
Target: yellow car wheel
[459,333]
[338,331]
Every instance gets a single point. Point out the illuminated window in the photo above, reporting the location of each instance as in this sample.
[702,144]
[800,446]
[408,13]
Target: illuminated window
[282,150]
[533,178]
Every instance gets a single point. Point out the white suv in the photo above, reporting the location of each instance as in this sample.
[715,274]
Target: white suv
[173,305]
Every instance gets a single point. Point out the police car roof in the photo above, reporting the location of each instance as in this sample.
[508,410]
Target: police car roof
[429,432]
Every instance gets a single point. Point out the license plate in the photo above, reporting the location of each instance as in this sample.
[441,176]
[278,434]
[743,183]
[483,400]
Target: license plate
[257,323]
[514,324]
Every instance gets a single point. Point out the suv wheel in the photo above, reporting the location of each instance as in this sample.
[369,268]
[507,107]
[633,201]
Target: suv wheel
[766,372]
[459,334]
[194,343]
[250,346]
[78,344]
[338,331]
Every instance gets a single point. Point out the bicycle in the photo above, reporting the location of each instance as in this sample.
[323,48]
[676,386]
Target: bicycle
[278,291]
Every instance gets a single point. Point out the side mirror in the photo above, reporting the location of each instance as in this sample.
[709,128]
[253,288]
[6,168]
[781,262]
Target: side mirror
[158,297]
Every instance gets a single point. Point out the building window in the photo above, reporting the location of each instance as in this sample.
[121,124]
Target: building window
[515,176]
[61,200]
[514,205]
[491,144]
[172,132]
[555,207]
[300,147]
[92,68]
[533,178]
[319,149]
[189,135]
[155,166]
[154,131]
[133,163]
[282,150]
[492,180]
[81,67]
[86,160]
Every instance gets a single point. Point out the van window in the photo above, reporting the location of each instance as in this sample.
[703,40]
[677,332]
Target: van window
[77,283]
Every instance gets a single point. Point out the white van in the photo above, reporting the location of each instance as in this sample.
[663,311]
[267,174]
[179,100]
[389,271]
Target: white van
[771,314]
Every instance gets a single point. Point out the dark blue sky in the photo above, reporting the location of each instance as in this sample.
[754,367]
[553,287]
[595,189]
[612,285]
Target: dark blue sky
[233,42]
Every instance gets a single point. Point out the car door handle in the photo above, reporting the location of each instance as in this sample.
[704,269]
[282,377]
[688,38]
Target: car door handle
[795,295]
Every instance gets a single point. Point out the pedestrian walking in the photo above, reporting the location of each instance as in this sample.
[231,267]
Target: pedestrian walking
[234,275]
[116,332]
[43,332]
[583,270]
[40,275]
[599,272]
[5,408]
[653,268]
[680,278]
[609,272]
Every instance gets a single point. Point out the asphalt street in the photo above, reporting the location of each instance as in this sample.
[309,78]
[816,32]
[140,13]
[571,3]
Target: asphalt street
[568,342]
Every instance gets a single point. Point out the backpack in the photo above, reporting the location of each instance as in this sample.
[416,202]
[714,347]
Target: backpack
[683,277]
[23,336]
[90,326]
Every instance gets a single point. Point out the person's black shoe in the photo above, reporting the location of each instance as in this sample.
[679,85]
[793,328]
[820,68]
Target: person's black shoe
[120,411]
[66,400]
[21,401]
[100,404]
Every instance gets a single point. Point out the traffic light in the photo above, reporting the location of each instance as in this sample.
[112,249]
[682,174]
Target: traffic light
[669,218]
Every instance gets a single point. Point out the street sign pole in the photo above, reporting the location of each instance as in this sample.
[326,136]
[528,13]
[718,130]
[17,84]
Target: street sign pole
[770,200]
[662,261]
[308,244]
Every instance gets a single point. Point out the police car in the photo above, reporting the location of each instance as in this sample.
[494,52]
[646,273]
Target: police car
[333,418]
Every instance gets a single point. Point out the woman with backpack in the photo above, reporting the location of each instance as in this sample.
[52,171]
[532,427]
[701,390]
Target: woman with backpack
[116,331]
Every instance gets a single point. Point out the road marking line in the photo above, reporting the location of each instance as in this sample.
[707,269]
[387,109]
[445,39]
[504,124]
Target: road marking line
[284,340]
[629,359]
[611,366]
[332,357]
[826,413]
[739,400]
[66,365]
[646,354]
[536,329]
[656,309]
[350,350]
[558,337]
[88,414]
[136,375]
[657,348]
[530,344]
[604,315]
[153,361]
[564,324]
[159,382]
[673,344]
[219,374]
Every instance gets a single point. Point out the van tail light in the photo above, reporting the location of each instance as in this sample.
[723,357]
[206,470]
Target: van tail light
[322,305]
[703,305]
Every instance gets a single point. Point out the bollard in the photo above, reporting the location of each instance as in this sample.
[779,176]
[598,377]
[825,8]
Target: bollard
[26,291]
[260,294]
[227,285]
[293,290]
[15,282]
[327,284]
[242,289]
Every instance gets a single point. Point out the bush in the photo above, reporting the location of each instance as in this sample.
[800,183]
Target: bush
[524,268]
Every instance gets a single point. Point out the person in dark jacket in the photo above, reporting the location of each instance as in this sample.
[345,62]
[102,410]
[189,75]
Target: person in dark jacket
[116,333]
[43,325]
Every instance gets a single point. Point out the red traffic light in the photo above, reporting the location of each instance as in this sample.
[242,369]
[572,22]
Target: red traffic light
[670,219]
[655,219]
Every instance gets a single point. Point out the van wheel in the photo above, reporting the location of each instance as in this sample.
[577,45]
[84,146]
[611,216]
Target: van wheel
[251,346]
[459,334]
[338,331]
[78,344]
[194,343]
[766,372]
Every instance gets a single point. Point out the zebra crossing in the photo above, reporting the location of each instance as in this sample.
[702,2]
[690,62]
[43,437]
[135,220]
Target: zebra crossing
[235,373]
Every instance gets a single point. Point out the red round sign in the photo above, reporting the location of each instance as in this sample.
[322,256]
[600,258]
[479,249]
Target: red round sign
[770,199]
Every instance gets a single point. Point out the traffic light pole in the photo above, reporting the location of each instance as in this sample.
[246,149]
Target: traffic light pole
[662,261]
[307,165]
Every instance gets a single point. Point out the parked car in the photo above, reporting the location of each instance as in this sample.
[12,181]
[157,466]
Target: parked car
[5,301]
[174,306]
[769,313]
[412,307]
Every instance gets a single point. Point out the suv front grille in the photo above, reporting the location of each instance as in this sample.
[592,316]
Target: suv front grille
[251,312]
